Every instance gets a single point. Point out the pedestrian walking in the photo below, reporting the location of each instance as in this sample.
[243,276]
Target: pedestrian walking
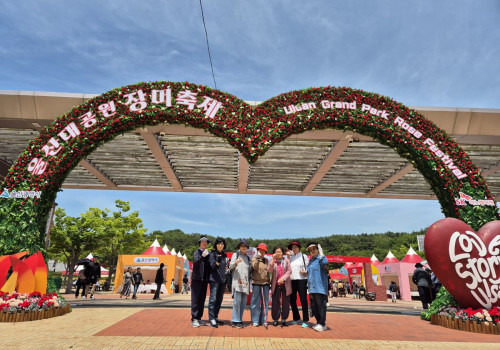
[199,281]
[355,290]
[94,274]
[393,288]
[436,284]
[185,287]
[240,265]
[159,280]
[423,281]
[137,278]
[127,283]
[80,283]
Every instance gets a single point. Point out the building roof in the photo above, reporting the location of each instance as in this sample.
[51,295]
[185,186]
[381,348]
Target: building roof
[411,257]
[184,159]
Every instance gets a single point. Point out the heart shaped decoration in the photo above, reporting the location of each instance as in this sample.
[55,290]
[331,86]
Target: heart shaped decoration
[467,263]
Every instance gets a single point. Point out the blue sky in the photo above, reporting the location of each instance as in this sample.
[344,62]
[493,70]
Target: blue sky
[421,53]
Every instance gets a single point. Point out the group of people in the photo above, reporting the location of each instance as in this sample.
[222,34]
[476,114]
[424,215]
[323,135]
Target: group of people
[131,280]
[287,274]
[88,279]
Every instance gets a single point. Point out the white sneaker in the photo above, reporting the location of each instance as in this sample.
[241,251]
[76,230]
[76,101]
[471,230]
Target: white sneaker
[316,327]
[321,328]
[195,323]
[84,297]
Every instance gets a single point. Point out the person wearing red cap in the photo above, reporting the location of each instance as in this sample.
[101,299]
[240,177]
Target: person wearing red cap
[259,305]
[298,262]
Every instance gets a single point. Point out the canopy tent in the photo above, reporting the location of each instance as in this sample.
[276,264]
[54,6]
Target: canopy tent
[401,273]
[149,264]
[338,276]
[343,271]
[166,250]
[104,271]
[412,257]
[154,249]
[390,259]
[374,260]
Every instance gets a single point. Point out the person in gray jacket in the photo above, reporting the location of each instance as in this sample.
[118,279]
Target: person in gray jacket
[240,265]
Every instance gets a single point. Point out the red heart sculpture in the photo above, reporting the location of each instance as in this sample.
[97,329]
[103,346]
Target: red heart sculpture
[467,263]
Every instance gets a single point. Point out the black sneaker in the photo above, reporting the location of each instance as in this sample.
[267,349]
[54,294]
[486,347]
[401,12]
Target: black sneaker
[275,323]
[219,322]
[239,325]
[284,324]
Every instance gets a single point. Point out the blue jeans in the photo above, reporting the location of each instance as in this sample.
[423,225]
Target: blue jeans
[240,300]
[136,286]
[215,300]
[259,311]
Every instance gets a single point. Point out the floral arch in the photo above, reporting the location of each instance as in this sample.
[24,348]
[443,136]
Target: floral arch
[41,169]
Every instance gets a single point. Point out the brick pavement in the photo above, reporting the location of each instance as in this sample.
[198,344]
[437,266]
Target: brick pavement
[161,328]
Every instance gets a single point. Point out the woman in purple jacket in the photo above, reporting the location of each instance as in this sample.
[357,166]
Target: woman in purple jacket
[281,286]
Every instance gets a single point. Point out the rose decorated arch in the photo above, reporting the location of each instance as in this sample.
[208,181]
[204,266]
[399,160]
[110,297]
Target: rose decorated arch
[40,170]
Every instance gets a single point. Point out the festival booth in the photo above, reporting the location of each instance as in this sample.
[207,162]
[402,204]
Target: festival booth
[355,272]
[149,262]
[401,272]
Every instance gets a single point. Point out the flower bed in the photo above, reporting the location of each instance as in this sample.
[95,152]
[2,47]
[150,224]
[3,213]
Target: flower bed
[469,320]
[33,306]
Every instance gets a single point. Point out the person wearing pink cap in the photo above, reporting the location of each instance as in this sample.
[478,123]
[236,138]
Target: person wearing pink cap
[259,304]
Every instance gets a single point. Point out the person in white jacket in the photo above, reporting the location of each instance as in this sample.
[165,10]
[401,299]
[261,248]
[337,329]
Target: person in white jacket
[298,262]
[240,266]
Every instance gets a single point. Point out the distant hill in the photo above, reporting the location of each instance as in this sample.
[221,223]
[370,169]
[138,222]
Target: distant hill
[344,245]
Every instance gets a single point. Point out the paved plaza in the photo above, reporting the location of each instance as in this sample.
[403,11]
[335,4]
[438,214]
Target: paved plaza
[113,323]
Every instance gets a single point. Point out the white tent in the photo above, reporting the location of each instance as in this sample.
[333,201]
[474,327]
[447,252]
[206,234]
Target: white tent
[104,271]
[165,249]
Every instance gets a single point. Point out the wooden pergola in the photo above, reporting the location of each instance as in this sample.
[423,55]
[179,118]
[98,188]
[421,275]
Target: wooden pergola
[184,159]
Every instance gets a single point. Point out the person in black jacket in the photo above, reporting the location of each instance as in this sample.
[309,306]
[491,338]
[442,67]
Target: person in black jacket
[218,266]
[199,281]
[137,278]
[423,281]
[159,280]
[96,275]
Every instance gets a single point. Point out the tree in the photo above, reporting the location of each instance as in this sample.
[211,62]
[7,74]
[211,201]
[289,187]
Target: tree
[122,234]
[72,236]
